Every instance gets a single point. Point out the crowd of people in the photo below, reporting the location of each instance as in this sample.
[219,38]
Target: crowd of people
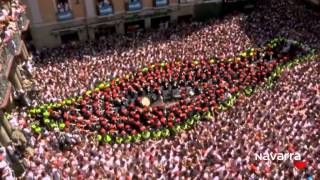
[12,16]
[104,60]
[5,169]
[283,119]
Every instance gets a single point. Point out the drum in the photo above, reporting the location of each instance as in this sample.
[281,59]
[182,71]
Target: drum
[145,101]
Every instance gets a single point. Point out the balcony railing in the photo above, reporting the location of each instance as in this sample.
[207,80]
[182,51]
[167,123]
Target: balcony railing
[12,46]
[185,1]
[7,53]
[65,15]
[105,9]
[134,5]
[4,85]
[5,56]
[160,3]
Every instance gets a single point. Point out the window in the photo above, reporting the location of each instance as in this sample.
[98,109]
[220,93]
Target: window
[133,5]
[104,31]
[69,37]
[104,7]
[160,22]
[132,28]
[63,6]
[63,10]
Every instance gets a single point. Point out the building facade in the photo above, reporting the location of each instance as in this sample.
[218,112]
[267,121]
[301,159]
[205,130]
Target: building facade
[13,53]
[57,21]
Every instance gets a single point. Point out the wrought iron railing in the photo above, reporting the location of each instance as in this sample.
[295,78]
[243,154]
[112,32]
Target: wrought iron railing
[10,48]
[105,9]
[13,45]
[185,1]
[63,16]
[4,84]
[5,56]
[160,3]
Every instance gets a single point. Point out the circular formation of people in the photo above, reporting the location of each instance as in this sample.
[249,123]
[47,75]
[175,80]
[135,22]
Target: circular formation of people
[164,97]
[202,67]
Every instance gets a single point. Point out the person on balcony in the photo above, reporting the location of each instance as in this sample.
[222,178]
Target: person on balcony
[60,7]
[106,2]
[63,6]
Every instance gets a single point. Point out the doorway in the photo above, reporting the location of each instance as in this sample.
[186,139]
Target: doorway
[160,22]
[134,27]
[69,37]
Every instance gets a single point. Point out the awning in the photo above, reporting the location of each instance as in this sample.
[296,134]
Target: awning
[67,30]
[107,23]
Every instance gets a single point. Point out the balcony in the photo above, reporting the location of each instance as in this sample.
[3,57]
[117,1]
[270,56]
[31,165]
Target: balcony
[160,3]
[134,5]
[64,15]
[105,9]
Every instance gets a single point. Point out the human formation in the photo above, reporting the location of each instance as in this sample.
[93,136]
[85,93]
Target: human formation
[180,94]
[284,118]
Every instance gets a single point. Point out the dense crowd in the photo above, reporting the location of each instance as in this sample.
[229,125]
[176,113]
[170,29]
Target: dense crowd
[284,119]
[104,60]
